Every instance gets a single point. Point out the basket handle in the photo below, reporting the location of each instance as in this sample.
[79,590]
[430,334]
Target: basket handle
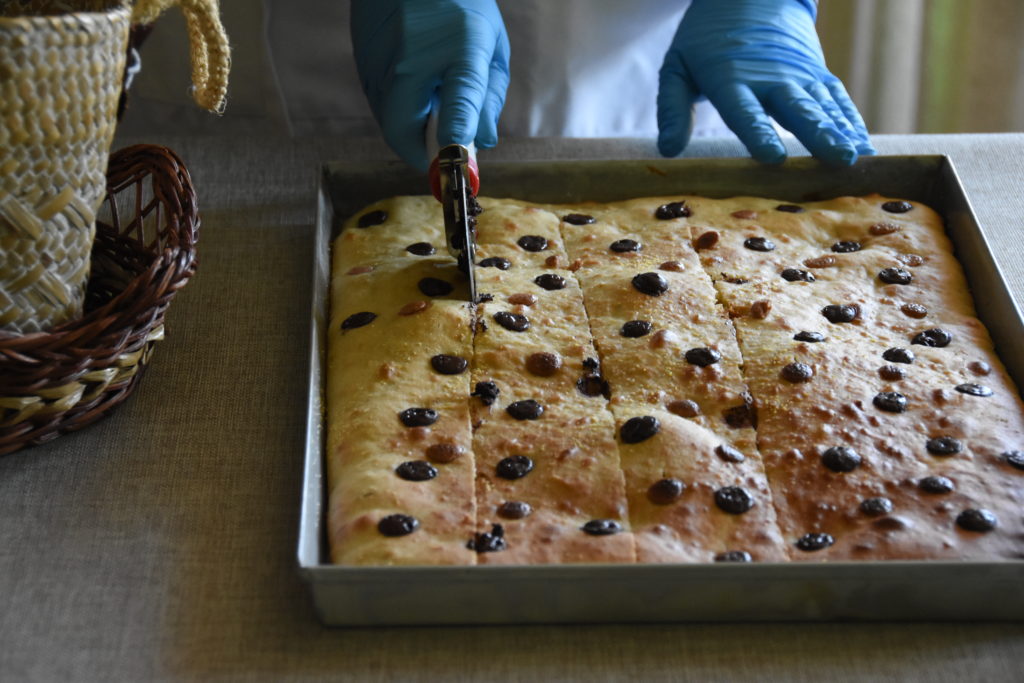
[211,56]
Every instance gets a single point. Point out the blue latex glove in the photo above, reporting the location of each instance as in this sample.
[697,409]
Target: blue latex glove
[751,59]
[410,52]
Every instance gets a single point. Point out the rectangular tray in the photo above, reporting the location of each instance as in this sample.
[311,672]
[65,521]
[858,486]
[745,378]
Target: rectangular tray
[346,596]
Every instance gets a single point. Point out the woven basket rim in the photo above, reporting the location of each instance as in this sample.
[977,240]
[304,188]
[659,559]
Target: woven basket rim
[20,21]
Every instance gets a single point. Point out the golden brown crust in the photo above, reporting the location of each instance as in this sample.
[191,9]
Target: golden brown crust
[723,263]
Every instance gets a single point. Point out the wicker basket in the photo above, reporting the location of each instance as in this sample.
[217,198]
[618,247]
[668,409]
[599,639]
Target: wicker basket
[145,251]
[61,70]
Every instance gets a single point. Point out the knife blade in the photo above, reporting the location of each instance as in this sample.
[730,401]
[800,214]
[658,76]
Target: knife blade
[453,162]
[454,181]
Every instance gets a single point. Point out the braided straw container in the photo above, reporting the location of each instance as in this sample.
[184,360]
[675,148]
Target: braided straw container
[61,70]
[145,252]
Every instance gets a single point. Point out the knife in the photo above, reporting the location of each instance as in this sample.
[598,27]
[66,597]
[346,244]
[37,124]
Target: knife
[454,180]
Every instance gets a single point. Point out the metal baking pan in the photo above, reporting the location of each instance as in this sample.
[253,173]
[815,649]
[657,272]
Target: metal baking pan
[947,590]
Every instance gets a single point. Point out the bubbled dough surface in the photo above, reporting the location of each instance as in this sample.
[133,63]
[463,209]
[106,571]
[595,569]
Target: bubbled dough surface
[577,476]
[379,370]
[797,422]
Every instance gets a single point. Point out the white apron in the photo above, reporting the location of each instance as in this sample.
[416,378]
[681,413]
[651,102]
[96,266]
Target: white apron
[579,68]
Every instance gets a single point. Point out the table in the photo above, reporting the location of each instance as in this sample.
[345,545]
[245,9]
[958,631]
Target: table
[160,543]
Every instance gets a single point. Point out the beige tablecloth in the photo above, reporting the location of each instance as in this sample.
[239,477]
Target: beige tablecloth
[160,543]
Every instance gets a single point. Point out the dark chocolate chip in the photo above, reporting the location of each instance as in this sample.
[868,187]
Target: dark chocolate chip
[759,244]
[637,429]
[895,276]
[897,206]
[739,417]
[496,262]
[512,321]
[483,299]
[898,355]
[489,541]
[789,208]
[432,286]
[532,243]
[549,281]
[890,401]
[593,385]
[876,507]
[734,556]
[797,372]
[602,527]
[672,210]
[473,206]
[975,519]
[514,467]
[358,320]
[733,499]
[728,453]
[935,484]
[372,218]
[1014,459]
[543,364]
[527,409]
[702,356]
[665,491]
[636,328]
[651,284]
[449,365]
[418,417]
[514,509]
[891,373]
[812,542]
[841,459]
[796,275]
[487,392]
[591,363]
[944,445]
[935,337]
[578,219]
[846,246]
[416,470]
[398,525]
[836,313]
[421,249]
[974,389]
[809,337]
[624,246]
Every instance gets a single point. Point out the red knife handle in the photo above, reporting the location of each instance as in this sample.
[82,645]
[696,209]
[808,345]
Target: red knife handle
[435,177]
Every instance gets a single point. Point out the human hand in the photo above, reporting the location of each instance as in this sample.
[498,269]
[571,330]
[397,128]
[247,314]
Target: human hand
[752,59]
[409,52]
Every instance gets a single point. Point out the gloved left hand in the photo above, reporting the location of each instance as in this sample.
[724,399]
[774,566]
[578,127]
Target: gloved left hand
[751,59]
[410,52]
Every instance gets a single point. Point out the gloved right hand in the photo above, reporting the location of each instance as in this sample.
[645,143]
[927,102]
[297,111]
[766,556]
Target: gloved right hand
[410,52]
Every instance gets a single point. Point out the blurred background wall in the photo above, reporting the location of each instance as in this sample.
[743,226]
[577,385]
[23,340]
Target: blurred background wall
[929,66]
